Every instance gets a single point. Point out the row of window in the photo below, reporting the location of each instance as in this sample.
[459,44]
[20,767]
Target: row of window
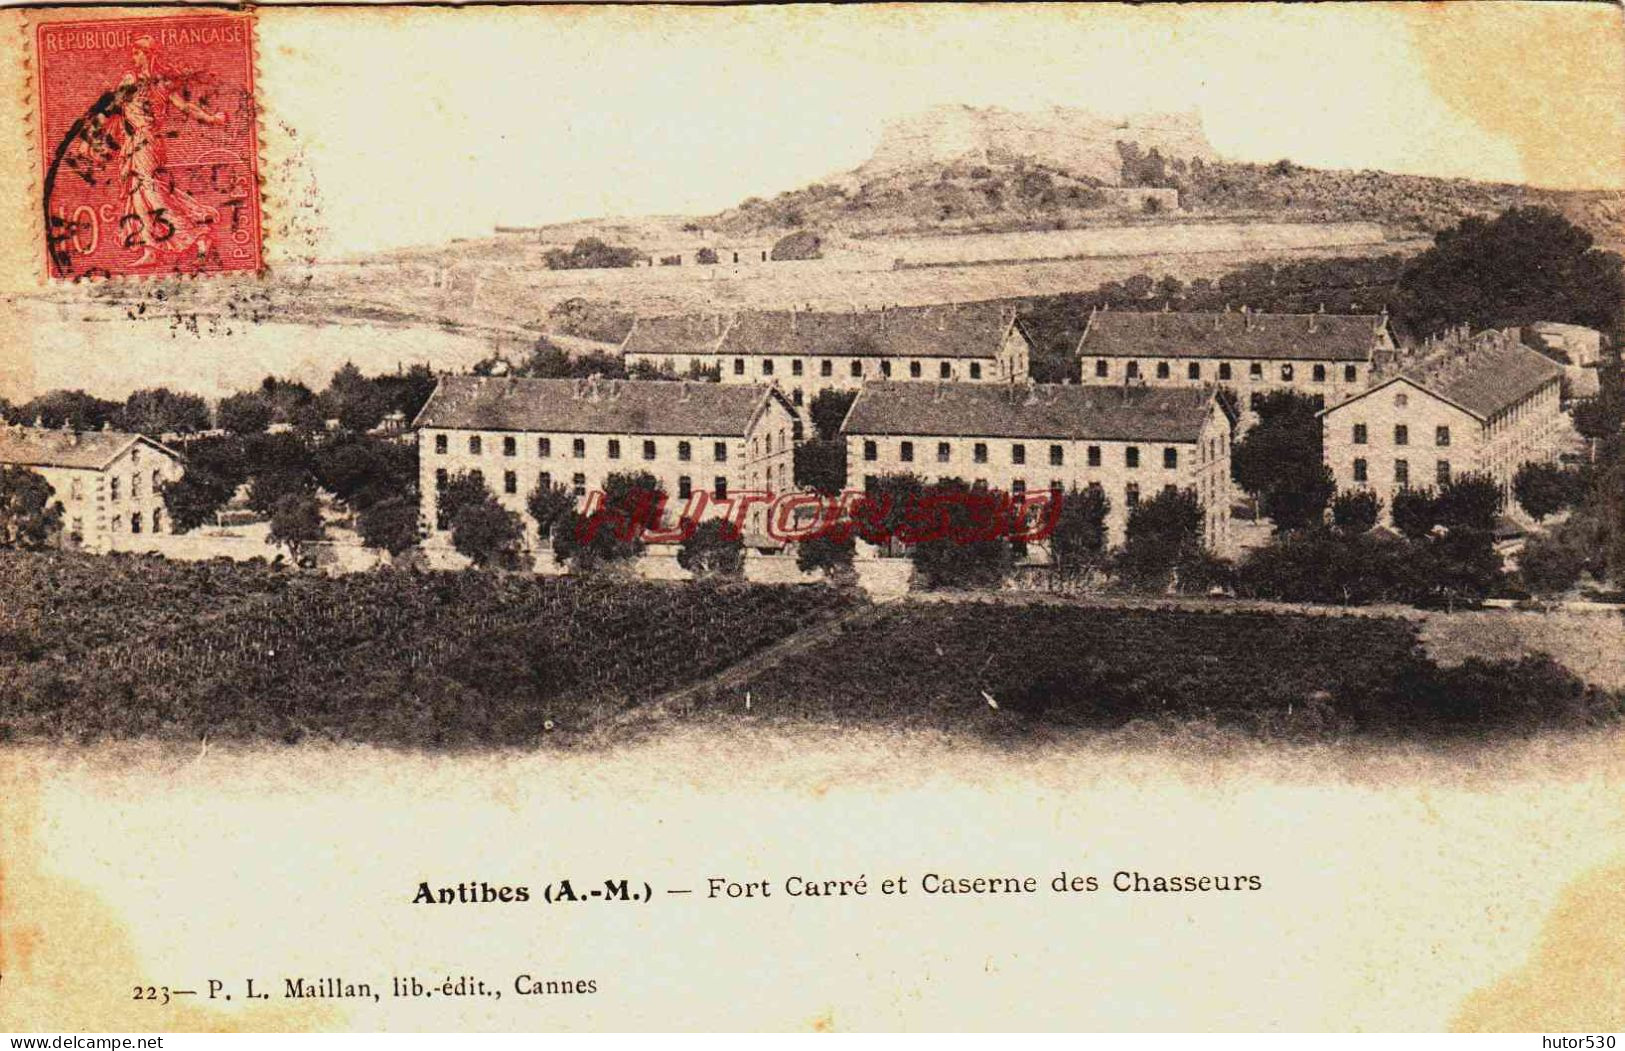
[1255,370]
[1402,471]
[1131,491]
[136,520]
[578,485]
[1402,435]
[578,447]
[945,369]
[1018,454]
[76,488]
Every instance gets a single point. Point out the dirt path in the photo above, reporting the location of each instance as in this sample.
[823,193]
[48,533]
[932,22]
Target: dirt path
[741,672]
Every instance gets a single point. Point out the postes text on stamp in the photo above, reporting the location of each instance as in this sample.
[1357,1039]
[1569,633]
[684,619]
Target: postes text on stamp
[149,146]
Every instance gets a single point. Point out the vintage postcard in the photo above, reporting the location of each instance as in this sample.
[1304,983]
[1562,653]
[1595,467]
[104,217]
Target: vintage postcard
[805,518]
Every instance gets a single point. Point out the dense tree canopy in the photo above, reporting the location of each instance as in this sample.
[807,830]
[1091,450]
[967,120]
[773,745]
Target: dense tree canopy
[1279,461]
[30,515]
[1525,265]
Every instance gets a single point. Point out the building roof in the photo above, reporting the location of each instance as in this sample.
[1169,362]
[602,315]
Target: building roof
[1481,376]
[86,450]
[1044,410]
[594,406]
[1495,372]
[949,330]
[1238,334]
[675,334]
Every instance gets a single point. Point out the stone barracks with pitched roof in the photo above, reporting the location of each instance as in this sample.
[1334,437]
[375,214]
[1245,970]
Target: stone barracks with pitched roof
[109,483]
[517,434]
[1131,442]
[1328,356]
[1462,403]
[804,352]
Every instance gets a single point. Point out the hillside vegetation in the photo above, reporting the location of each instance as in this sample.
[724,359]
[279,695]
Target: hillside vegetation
[1028,195]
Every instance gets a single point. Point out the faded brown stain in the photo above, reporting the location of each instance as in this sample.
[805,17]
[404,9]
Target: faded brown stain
[1574,981]
[1547,77]
[67,962]
[824,1023]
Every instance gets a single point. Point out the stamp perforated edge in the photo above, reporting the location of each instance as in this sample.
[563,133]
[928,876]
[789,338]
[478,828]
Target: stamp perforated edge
[36,150]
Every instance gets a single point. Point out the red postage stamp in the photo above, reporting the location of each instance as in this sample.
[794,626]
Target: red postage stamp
[149,142]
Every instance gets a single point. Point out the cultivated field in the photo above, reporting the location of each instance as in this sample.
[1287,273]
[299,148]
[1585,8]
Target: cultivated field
[120,646]
[998,668]
[137,647]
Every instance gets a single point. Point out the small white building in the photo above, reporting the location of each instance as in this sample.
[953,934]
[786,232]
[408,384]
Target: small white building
[109,483]
[1571,344]
[804,351]
[518,433]
[1131,442]
[1481,403]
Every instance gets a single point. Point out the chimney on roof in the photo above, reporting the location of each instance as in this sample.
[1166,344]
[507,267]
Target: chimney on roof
[614,389]
[1312,319]
[938,392]
[578,388]
[107,425]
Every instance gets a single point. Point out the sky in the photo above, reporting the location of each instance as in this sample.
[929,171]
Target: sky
[418,126]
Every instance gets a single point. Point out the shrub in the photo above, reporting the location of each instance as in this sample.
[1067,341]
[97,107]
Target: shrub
[714,548]
[1356,511]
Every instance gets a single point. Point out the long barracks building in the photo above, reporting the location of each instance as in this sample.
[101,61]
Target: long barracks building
[1328,356]
[1131,442]
[804,352]
[517,434]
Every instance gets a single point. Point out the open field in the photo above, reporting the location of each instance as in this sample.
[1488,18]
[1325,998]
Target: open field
[134,647]
[998,668]
[121,646]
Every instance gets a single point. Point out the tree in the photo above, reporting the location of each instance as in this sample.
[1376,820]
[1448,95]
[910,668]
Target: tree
[390,524]
[194,498]
[1599,418]
[266,491]
[1356,511]
[465,487]
[828,411]
[487,533]
[292,404]
[965,546]
[158,410]
[632,502]
[830,552]
[1279,461]
[1525,265]
[29,517]
[706,256]
[879,514]
[73,408]
[821,466]
[714,548]
[803,244]
[1469,501]
[548,505]
[589,253]
[1139,286]
[1415,512]
[296,521]
[355,401]
[1461,563]
[1079,536]
[361,469]
[1163,532]
[246,413]
[1543,488]
[1549,565]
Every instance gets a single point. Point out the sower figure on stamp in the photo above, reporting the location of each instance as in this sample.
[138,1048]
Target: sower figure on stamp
[157,217]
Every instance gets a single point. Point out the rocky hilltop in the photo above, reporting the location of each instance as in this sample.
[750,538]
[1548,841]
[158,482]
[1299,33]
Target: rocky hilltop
[1074,140]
